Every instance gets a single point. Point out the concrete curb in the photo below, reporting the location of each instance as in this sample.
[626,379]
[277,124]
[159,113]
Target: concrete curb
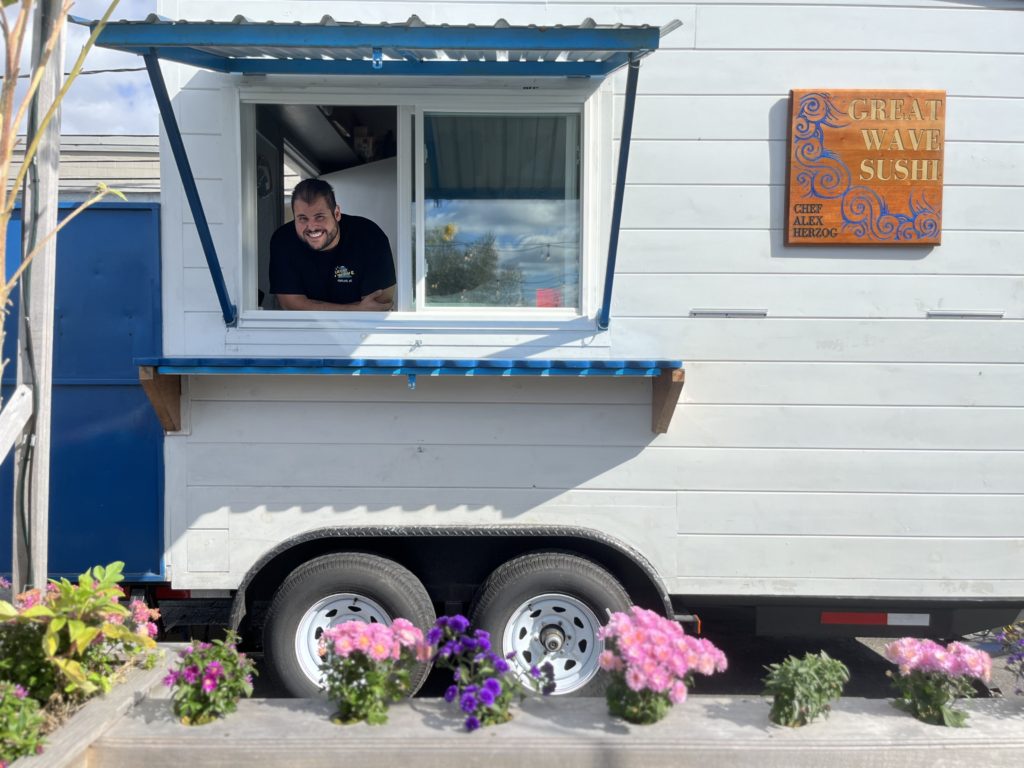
[67,747]
[705,731]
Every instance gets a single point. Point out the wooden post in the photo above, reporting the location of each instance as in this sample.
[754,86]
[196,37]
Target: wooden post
[35,358]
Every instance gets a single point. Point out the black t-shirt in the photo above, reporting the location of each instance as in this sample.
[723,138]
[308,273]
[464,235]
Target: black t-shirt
[358,265]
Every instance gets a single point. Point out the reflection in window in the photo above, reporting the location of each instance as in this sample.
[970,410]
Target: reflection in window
[502,210]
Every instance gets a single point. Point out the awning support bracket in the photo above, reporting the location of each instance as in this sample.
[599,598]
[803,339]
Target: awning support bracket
[632,76]
[188,181]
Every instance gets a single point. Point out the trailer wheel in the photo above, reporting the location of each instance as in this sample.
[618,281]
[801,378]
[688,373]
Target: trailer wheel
[548,607]
[330,590]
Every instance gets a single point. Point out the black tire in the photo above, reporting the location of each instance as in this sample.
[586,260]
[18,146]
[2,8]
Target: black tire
[534,576]
[394,590]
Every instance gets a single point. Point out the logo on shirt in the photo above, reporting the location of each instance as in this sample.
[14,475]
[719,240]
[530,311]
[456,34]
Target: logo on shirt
[343,274]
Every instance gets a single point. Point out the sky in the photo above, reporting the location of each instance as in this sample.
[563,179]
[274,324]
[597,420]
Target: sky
[105,102]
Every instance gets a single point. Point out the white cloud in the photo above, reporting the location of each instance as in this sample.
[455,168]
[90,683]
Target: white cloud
[105,102]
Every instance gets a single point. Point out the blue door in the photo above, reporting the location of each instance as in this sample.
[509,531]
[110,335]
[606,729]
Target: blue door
[106,482]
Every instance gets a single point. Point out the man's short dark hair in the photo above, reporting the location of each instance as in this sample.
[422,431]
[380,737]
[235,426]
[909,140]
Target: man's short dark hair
[308,190]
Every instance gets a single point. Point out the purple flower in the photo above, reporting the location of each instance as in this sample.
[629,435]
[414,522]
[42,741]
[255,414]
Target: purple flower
[451,693]
[456,674]
[458,623]
[534,672]
[468,703]
[486,696]
[190,674]
[472,723]
[433,635]
[491,684]
[19,692]
[442,621]
[171,679]
[5,583]
[468,644]
[209,684]
[215,669]
[501,666]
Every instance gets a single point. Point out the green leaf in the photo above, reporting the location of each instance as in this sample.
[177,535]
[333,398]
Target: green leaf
[37,612]
[7,611]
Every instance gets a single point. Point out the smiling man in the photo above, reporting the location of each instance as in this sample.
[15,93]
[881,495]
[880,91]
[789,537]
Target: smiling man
[325,260]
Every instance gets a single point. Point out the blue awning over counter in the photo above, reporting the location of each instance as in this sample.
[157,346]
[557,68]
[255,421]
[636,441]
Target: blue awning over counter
[161,376]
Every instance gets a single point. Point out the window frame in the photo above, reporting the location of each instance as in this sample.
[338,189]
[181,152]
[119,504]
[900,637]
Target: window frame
[591,101]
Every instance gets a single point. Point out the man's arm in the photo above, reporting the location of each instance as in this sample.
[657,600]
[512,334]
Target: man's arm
[379,301]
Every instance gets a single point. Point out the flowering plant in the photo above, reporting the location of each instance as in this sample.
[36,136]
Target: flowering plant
[1012,638]
[931,678]
[480,677]
[21,724]
[651,661]
[366,667]
[209,680]
[73,639]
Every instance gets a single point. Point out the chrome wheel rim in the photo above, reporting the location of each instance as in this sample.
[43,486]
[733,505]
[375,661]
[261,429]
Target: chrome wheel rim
[557,629]
[326,613]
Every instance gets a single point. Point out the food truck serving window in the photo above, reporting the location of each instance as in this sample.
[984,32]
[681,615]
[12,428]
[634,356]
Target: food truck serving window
[490,190]
[482,210]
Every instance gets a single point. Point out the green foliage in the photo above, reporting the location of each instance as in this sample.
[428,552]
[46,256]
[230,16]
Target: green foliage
[209,680]
[804,688]
[70,639]
[21,724]
[642,707]
[362,689]
[929,696]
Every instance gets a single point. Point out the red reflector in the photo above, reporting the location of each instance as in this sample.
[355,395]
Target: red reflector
[166,593]
[853,617]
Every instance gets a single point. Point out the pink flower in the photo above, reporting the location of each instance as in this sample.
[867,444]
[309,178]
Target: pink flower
[209,684]
[677,694]
[609,661]
[406,633]
[19,692]
[635,679]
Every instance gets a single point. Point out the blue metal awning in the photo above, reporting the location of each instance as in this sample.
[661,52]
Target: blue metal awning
[409,48]
[161,376]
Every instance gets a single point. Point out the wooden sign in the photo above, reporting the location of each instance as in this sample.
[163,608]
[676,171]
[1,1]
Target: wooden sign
[865,167]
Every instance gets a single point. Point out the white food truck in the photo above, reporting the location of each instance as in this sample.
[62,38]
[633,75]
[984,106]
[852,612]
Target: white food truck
[606,379]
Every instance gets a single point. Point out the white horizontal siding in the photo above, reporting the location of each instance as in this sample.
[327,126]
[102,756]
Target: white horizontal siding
[758,251]
[818,515]
[679,206]
[739,116]
[855,384]
[858,28]
[792,295]
[760,162]
[718,383]
[578,427]
[618,468]
[843,557]
[827,340]
[773,72]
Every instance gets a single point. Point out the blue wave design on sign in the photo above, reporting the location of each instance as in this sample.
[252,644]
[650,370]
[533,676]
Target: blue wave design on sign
[824,175]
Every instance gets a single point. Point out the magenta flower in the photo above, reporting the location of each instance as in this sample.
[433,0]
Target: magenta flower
[209,684]
[171,679]
[190,674]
